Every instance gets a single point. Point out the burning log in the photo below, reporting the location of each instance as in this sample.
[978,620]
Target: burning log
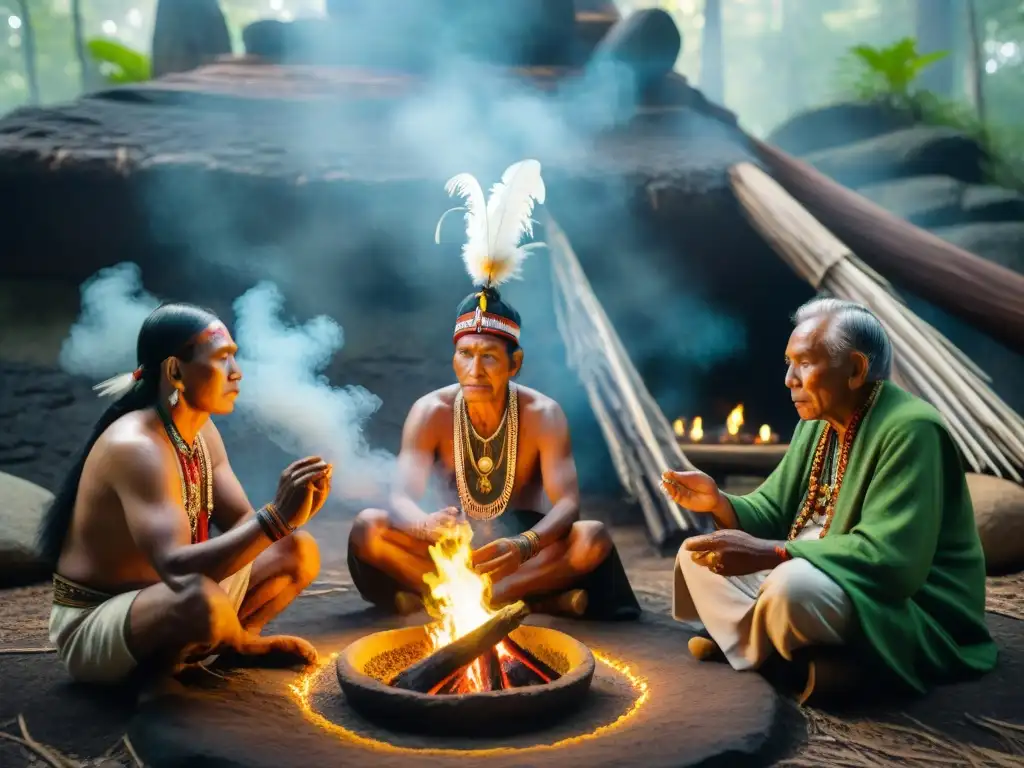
[424,675]
[529,660]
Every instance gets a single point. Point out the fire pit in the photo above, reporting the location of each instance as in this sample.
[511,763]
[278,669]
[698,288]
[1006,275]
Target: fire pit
[529,680]
[474,670]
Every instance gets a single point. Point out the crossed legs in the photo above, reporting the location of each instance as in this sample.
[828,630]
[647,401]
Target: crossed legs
[791,607]
[165,626]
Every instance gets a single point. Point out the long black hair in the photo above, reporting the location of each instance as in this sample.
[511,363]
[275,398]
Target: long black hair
[165,333]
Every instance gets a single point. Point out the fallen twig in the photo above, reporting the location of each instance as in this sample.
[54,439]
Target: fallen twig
[132,752]
[22,651]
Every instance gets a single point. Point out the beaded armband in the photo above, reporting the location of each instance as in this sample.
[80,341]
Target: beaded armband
[273,525]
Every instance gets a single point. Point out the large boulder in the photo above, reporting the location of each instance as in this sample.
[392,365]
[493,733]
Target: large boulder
[926,201]
[918,151]
[837,125]
[21,508]
[941,201]
[999,513]
[999,242]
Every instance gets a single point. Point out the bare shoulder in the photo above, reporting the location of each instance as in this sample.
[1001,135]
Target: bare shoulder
[541,413]
[129,450]
[430,415]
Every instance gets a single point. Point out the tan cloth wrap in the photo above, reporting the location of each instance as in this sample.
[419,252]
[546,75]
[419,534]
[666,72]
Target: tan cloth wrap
[792,606]
[92,642]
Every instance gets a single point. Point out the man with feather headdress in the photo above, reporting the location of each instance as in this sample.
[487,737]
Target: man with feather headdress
[504,450]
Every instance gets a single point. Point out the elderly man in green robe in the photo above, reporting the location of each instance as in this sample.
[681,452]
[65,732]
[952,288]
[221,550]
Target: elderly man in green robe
[861,543]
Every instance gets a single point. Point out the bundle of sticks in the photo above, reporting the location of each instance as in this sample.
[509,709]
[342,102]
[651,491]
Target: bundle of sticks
[989,433]
[640,439]
[501,663]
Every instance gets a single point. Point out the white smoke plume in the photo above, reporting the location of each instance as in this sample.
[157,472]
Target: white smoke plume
[285,394]
[102,340]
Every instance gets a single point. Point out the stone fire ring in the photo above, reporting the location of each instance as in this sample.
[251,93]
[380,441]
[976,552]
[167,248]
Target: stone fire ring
[476,714]
[695,714]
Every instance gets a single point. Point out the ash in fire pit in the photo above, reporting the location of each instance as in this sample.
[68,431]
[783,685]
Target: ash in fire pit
[475,670]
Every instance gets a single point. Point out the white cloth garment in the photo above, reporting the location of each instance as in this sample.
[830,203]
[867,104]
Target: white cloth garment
[750,617]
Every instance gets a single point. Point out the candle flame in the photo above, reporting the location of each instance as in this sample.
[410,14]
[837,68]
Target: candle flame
[679,426]
[697,430]
[735,420]
[764,434]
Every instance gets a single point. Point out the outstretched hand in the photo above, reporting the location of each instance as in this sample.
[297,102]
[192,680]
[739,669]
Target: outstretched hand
[498,559]
[433,526]
[693,490]
[321,488]
[732,552]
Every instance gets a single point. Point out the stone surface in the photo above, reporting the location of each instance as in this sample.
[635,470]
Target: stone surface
[836,125]
[999,513]
[21,509]
[999,242]
[253,720]
[917,151]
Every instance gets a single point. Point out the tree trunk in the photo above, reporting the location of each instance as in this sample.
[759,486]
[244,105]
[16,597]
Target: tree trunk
[712,56]
[28,52]
[84,62]
[975,66]
[188,34]
[935,24]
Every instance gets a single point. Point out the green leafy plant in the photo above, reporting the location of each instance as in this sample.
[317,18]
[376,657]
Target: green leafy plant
[118,63]
[888,73]
[887,76]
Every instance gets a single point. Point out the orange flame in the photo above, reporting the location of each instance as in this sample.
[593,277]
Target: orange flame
[697,430]
[679,427]
[764,434]
[735,420]
[459,596]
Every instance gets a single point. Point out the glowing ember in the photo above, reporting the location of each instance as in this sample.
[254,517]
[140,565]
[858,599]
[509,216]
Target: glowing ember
[764,434]
[735,420]
[679,426]
[697,430]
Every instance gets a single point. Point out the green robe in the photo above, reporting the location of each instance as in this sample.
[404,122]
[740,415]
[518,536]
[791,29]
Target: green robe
[903,543]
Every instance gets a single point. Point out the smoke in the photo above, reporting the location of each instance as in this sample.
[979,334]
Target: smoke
[285,394]
[102,340]
[335,212]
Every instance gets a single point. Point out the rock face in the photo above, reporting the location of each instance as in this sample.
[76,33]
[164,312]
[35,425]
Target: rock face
[916,151]
[21,508]
[999,512]
[933,177]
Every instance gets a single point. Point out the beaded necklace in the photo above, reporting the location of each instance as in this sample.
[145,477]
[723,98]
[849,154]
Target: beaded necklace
[196,478]
[826,494]
[463,449]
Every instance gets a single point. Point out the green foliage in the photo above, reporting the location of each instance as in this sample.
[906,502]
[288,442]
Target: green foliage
[888,73]
[886,76]
[117,62]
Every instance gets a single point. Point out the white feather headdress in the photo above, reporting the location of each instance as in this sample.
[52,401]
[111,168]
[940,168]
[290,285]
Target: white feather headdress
[496,226]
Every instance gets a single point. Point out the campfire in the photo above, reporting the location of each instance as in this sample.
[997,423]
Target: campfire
[471,668]
[471,651]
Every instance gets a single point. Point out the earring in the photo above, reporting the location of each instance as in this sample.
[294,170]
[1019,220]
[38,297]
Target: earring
[173,399]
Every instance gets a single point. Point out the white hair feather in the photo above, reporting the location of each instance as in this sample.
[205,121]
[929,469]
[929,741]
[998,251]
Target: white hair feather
[495,226]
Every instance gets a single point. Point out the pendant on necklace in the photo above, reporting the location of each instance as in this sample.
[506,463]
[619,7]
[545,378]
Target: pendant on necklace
[826,495]
[483,485]
[486,464]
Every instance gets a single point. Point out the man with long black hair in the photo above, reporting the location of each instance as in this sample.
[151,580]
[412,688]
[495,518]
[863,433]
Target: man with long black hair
[138,582]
